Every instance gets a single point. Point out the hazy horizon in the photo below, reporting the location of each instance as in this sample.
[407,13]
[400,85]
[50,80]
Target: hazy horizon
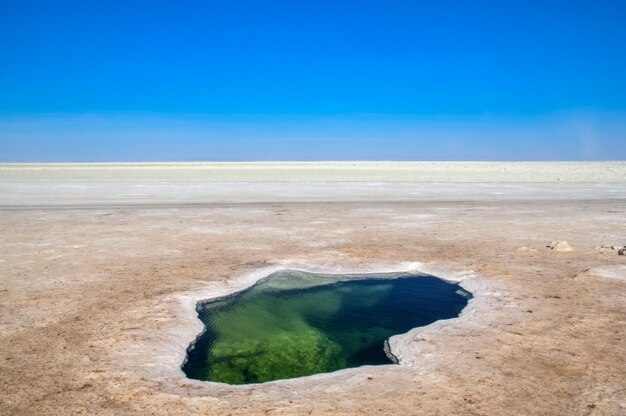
[161,138]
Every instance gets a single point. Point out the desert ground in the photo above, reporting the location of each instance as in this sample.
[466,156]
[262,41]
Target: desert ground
[101,266]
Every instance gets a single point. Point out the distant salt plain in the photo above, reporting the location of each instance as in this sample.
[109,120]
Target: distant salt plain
[62,185]
[322,171]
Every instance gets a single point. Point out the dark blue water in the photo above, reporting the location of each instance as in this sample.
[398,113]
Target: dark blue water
[278,330]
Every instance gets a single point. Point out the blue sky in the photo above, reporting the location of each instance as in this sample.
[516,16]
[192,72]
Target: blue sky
[311,80]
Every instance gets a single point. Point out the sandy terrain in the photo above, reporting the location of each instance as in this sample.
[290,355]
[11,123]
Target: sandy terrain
[99,275]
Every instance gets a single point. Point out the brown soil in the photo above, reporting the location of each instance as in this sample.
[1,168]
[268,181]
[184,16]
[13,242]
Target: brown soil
[88,296]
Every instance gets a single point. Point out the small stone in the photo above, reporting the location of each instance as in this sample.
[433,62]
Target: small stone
[561,246]
[607,248]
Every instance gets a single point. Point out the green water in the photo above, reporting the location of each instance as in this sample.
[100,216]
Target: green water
[295,324]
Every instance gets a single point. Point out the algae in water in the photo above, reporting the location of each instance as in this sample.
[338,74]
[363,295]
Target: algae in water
[300,324]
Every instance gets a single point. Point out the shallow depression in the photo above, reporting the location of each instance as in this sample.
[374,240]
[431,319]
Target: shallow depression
[294,324]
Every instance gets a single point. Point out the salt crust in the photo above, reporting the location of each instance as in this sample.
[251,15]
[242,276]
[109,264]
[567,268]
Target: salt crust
[171,354]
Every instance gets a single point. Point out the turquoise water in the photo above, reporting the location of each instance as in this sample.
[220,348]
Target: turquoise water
[294,324]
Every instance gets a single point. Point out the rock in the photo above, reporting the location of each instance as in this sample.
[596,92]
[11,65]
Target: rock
[605,248]
[621,250]
[561,246]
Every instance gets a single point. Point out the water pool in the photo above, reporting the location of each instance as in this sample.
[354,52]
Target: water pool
[294,324]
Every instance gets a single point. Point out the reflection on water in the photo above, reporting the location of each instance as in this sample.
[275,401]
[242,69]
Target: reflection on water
[294,324]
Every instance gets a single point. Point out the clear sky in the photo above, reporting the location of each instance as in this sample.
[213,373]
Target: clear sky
[310,80]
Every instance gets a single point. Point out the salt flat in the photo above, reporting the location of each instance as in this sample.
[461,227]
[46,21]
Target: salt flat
[322,171]
[100,266]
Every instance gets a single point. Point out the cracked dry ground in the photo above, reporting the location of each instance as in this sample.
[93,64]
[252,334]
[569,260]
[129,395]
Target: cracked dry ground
[80,288]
